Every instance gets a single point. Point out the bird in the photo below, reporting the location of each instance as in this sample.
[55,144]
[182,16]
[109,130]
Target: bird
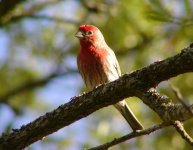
[98,64]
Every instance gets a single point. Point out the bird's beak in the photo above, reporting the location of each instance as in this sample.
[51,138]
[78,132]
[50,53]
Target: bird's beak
[79,35]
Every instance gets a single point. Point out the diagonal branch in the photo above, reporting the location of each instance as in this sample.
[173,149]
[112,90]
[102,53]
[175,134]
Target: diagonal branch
[180,129]
[137,83]
[179,97]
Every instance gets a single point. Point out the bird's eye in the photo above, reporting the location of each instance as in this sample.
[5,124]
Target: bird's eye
[89,33]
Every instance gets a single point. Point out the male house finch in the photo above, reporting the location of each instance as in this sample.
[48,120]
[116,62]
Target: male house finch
[97,64]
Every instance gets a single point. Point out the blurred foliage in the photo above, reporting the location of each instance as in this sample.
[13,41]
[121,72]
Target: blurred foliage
[37,40]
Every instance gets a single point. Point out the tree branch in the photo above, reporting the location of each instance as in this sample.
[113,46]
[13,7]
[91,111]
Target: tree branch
[136,83]
[128,137]
[180,129]
[164,107]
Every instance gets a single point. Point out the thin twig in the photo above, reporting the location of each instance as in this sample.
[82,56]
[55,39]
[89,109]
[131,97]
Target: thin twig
[180,129]
[177,124]
[179,97]
[128,137]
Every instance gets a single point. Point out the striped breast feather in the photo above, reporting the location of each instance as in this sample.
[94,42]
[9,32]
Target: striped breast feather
[92,73]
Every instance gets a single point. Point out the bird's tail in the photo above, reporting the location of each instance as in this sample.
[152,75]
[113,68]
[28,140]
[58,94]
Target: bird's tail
[127,113]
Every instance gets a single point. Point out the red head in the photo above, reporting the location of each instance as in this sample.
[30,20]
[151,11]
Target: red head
[90,35]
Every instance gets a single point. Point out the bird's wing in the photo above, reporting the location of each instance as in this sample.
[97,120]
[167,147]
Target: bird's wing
[114,69]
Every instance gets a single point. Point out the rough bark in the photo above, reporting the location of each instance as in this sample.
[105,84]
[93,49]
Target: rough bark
[138,83]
